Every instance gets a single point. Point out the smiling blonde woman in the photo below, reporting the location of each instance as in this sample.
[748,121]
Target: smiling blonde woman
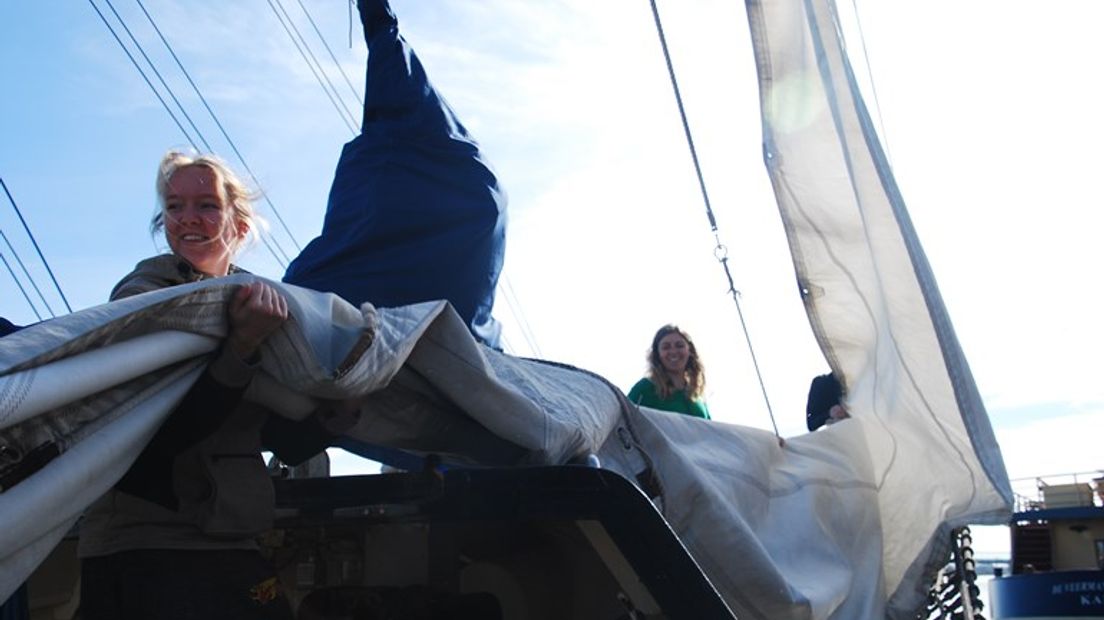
[174,538]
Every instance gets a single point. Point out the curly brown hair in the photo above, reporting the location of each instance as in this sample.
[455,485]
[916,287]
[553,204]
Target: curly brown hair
[695,370]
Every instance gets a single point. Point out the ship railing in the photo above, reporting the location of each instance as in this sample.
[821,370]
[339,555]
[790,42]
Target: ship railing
[1070,490]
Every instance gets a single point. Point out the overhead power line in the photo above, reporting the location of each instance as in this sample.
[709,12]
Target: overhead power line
[337,64]
[26,274]
[507,346]
[20,285]
[153,67]
[508,294]
[272,243]
[305,51]
[339,105]
[31,236]
[274,247]
[144,76]
[225,134]
[277,255]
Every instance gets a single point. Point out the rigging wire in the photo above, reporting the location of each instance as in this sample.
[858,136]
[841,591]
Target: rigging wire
[505,287]
[321,70]
[523,325]
[289,27]
[144,76]
[870,76]
[164,85]
[226,136]
[342,111]
[20,285]
[337,64]
[26,274]
[27,228]
[720,252]
[282,261]
[507,346]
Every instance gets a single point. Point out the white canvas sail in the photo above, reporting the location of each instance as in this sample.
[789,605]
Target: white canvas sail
[871,296]
[848,522]
[801,531]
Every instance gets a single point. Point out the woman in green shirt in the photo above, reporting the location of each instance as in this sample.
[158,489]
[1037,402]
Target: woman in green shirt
[676,378]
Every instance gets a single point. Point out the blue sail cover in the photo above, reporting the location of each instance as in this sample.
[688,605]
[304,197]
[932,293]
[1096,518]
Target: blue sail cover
[415,212]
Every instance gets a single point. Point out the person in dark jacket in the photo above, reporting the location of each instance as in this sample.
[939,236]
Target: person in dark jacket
[825,402]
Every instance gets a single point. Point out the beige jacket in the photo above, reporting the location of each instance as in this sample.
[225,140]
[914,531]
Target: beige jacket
[225,493]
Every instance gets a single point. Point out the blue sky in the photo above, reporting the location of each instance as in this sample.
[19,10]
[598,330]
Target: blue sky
[991,112]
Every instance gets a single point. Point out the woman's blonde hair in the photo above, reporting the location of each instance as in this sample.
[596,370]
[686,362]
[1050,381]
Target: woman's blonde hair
[232,190]
[695,370]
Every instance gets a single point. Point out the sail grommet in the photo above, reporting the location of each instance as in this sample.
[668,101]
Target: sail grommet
[810,291]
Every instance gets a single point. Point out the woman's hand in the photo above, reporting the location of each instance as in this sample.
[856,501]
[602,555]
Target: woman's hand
[256,311]
[837,413]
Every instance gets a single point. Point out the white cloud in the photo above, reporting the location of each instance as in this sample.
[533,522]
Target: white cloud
[1065,444]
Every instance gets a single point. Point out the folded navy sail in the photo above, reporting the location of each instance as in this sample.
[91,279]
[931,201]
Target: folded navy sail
[415,212]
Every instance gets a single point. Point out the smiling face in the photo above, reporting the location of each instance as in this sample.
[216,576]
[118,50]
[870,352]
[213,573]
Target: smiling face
[199,224]
[674,353]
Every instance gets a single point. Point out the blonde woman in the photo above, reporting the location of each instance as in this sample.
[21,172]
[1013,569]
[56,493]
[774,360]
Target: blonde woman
[175,537]
[676,377]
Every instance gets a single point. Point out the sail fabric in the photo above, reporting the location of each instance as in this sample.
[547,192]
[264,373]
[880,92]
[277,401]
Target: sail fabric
[848,522]
[795,531]
[415,211]
[872,298]
[425,384]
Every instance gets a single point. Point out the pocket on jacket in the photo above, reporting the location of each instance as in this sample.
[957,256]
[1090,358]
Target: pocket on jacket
[242,503]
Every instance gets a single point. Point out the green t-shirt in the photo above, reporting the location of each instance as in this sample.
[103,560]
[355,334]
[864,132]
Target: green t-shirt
[644,393]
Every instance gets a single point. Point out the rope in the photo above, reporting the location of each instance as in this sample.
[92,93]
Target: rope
[720,251]
[351,7]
